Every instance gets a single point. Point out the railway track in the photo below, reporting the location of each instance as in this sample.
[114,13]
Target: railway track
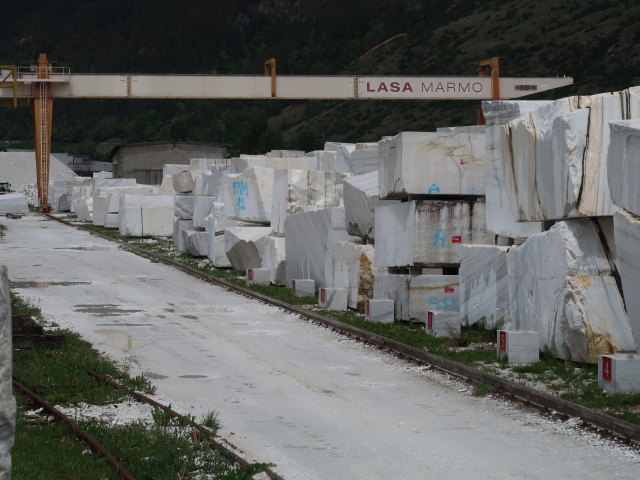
[594,420]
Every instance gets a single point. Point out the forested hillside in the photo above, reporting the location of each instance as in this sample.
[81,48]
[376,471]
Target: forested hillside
[596,42]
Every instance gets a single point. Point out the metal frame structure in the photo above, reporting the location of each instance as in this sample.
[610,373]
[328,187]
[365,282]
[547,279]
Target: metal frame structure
[45,81]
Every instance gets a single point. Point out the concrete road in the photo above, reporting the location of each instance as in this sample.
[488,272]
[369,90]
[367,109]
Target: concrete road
[317,405]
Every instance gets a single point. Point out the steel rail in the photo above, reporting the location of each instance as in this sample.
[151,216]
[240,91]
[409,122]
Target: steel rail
[203,433]
[524,394]
[80,433]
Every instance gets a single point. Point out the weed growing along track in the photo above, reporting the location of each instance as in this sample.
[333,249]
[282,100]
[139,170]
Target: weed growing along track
[157,445]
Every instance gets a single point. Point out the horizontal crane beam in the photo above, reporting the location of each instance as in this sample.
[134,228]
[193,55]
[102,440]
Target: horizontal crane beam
[287,87]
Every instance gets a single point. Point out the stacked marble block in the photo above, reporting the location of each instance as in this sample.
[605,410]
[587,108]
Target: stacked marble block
[7,400]
[106,202]
[623,165]
[439,179]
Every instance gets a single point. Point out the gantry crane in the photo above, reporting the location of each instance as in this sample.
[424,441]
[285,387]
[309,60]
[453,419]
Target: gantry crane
[43,82]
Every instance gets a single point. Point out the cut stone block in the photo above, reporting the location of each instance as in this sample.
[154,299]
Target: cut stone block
[623,164]
[273,254]
[433,292]
[295,163]
[241,248]
[166,187]
[484,284]
[203,163]
[501,211]
[113,194]
[325,161]
[560,285]
[354,271]
[7,400]
[183,181]
[58,195]
[248,196]
[333,298]
[84,209]
[380,311]
[419,163]
[201,209]
[619,373]
[360,201]
[364,160]
[144,215]
[296,190]
[627,241]
[98,183]
[13,203]
[184,206]
[100,210]
[198,243]
[394,287]
[442,324]
[311,239]
[181,225]
[111,220]
[258,276]
[427,232]
[303,287]
[217,172]
[216,250]
[518,346]
[102,175]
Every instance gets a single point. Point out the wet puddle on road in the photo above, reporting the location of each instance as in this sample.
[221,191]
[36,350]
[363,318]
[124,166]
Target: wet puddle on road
[122,340]
[104,310]
[88,248]
[25,284]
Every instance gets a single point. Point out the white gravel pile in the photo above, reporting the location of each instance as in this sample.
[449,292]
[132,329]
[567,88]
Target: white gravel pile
[19,169]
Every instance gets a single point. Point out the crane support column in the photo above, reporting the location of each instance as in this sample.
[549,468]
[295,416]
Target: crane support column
[42,120]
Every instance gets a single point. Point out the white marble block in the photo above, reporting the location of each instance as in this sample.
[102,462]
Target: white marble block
[333,298]
[100,210]
[442,324]
[501,211]
[296,163]
[311,238]
[364,160]
[380,311]
[113,194]
[303,287]
[623,164]
[111,220]
[484,284]
[325,160]
[182,181]
[439,163]
[217,172]
[197,242]
[241,247]
[619,373]
[627,242]
[184,206]
[98,183]
[437,293]
[102,175]
[58,195]
[7,400]
[166,187]
[360,201]
[427,232]
[396,288]
[181,225]
[247,196]
[216,252]
[84,209]
[258,276]
[13,202]
[296,190]
[561,285]
[144,215]
[353,270]
[285,154]
[518,346]
[201,209]
[273,256]
[203,163]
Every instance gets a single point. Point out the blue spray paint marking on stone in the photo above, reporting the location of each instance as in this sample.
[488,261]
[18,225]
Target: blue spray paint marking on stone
[241,190]
[434,188]
[439,237]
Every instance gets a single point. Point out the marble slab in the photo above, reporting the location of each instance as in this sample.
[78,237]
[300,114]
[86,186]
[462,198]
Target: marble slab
[145,215]
[7,400]
[311,238]
[180,225]
[241,247]
[296,190]
[99,211]
[296,163]
[13,202]
[201,209]
[111,220]
[84,209]
[332,298]
[484,284]
[394,287]
[273,258]
[627,241]
[197,242]
[217,172]
[427,232]
[184,206]
[353,270]
[364,160]
[421,163]
[623,164]
[561,285]
[98,183]
[379,311]
[437,293]
[248,196]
